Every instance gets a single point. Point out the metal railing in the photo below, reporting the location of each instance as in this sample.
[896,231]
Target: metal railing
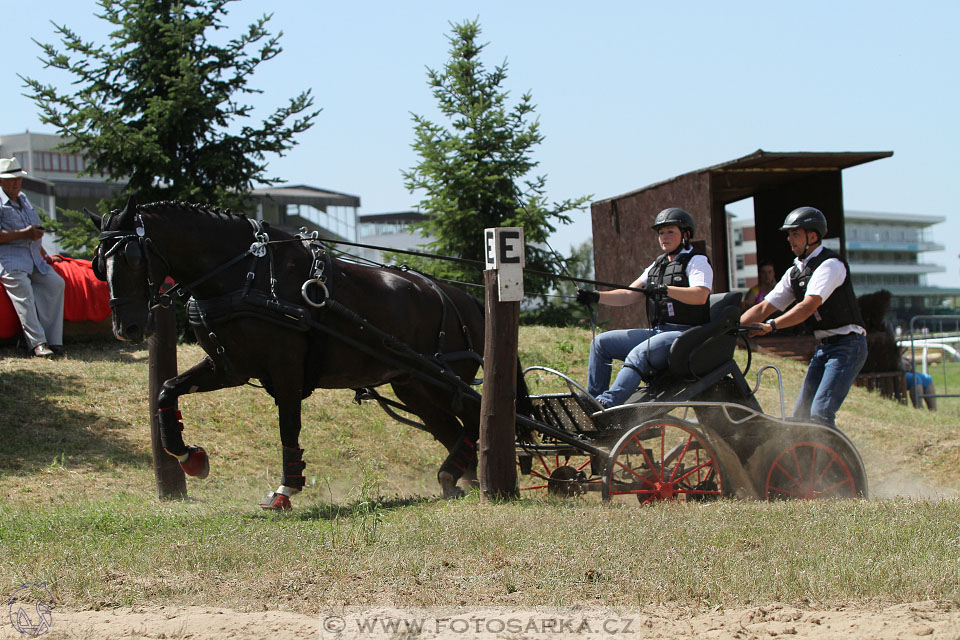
[932,332]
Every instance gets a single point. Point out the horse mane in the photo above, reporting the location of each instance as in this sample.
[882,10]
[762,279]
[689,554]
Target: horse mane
[193,208]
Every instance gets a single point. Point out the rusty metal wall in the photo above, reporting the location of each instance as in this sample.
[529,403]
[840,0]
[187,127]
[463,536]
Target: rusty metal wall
[624,244]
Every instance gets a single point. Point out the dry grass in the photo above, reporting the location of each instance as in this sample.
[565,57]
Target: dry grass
[78,508]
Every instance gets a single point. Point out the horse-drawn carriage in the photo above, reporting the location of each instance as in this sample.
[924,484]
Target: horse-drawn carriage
[282,310]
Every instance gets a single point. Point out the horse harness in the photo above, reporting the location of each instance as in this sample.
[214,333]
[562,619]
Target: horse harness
[250,302]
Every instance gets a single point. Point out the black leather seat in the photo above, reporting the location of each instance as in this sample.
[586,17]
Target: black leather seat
[702,349]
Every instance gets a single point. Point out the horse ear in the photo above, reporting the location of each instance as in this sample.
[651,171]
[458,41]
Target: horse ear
[97,219]
[128,210]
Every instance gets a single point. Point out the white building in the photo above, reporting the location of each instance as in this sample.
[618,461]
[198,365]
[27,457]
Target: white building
[52,182]
[393,230]
[884,251]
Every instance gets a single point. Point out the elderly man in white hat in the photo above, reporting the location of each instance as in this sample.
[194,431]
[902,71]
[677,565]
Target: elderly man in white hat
[34,287]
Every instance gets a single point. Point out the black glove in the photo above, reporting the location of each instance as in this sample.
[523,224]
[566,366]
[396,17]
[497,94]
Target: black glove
[655,290]
[588,296]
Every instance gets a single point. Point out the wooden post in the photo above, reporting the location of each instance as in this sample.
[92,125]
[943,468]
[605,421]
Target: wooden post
[171,481]
[498,409]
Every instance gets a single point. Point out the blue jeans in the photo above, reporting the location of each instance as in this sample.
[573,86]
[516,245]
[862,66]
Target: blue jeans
[643,351]
[832,371]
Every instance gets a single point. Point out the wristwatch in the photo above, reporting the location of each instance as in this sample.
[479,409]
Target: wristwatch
[773,325]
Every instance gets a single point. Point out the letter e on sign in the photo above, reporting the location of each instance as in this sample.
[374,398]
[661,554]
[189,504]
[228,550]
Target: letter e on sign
[504,252]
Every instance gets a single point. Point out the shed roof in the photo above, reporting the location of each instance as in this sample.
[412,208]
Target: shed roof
[743,177]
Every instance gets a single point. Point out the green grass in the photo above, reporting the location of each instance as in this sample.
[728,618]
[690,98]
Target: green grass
[78,508]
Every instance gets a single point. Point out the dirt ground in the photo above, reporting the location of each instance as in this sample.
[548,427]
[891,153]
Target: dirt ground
[921,619]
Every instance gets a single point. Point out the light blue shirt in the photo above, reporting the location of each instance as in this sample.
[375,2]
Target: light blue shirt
[23,254]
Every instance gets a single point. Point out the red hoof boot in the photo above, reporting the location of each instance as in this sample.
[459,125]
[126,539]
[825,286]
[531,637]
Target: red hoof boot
[197,463]
[274,501]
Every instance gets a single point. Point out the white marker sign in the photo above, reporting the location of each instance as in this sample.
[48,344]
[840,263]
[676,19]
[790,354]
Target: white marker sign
[504,251]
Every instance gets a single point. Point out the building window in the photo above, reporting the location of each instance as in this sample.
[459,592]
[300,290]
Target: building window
[739,262]
[741,283]
[737,237]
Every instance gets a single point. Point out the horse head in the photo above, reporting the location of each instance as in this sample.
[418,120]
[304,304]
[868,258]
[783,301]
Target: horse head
[121,261]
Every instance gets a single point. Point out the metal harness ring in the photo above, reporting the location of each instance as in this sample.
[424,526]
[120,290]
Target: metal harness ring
[306,297]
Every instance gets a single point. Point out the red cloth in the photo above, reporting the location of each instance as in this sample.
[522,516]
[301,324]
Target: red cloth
[84,297]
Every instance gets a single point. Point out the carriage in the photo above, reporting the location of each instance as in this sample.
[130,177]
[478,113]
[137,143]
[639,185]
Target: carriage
[695,432]
[283,311]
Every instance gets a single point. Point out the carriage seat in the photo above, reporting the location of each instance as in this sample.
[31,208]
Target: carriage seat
[707,347]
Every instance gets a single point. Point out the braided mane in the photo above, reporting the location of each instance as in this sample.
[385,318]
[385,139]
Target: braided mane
[181,206]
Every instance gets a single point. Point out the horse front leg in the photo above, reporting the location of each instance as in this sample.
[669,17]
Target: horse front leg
[203,376]
[291,478]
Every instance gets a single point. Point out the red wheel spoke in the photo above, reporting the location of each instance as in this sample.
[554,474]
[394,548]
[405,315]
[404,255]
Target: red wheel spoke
[544,463]
[813,470]
[653,468]
[700,466]
[676,465]
[538,486]
[797,467]
[826,468]
[786,472]
[840,483]
[632,472]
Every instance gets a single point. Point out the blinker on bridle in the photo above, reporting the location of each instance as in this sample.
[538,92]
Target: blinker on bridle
[134,247]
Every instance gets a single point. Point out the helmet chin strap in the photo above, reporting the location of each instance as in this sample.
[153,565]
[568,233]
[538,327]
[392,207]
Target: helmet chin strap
[806,247]
[680,247]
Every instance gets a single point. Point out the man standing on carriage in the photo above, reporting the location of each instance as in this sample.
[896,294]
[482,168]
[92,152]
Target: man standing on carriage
[819,282]
[677,287]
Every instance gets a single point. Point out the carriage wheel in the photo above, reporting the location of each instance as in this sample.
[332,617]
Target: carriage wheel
[558,475]
[664,459]
[808,470]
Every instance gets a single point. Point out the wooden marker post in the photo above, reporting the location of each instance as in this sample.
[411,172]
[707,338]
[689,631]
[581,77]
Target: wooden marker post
[162,345]
[498,406]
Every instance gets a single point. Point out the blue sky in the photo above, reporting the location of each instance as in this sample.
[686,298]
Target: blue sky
[628,93]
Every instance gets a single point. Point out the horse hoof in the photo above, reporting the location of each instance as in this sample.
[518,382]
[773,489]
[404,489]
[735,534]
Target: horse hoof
[197,463]
[448,485]
[274,501]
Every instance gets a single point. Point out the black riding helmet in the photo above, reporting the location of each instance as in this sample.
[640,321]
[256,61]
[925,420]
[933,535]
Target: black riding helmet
[806,218]
[677,217]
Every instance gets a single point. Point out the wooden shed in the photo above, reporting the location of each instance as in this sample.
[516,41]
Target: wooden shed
[778,182]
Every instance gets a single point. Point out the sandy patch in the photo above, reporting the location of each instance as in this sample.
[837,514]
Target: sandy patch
[915,620]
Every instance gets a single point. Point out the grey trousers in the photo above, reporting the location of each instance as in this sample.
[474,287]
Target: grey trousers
[38,301]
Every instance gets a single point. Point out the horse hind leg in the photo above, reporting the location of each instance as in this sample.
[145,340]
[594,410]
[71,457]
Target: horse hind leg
[292,478]
[444,426]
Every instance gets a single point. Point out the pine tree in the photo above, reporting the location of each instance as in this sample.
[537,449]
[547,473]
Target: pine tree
[475,171]
[160,105]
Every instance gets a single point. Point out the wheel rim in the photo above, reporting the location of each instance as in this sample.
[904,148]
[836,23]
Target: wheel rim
[559,475]
[665,461]
[809,470]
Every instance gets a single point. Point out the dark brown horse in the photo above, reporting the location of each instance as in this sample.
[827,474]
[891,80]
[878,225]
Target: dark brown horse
[277,308]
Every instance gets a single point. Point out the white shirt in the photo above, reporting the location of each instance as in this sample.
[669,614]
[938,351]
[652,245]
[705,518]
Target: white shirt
[699,271]
[824,280]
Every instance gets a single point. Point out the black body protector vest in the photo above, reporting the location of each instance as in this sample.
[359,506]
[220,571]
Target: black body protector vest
[840,309]
[674,273]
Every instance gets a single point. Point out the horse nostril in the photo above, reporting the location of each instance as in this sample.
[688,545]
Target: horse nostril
[131,331]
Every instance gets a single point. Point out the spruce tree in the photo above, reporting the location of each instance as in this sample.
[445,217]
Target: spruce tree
[160,105]
[475,170]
